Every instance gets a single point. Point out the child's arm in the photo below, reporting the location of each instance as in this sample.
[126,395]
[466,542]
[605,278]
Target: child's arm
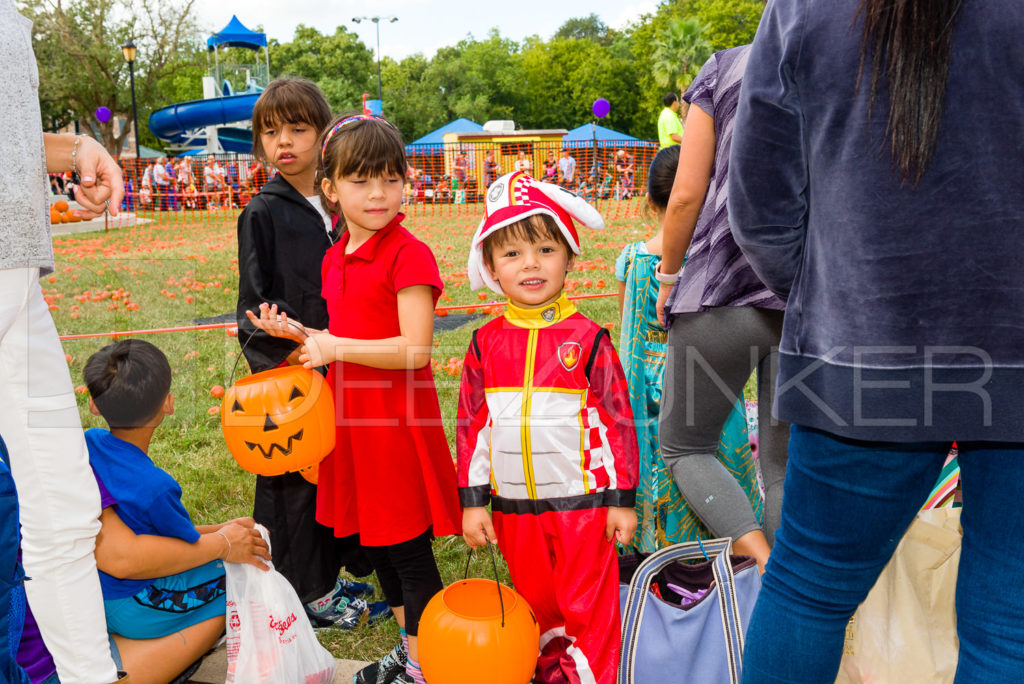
[608,386]
[247,522]
[472,448]
[620,524]
[257,250]
[277,324]
[477,528]
[408,351]
[622,264]
[125,555]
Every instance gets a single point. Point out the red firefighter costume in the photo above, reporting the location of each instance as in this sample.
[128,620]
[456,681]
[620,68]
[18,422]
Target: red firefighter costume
[546,436]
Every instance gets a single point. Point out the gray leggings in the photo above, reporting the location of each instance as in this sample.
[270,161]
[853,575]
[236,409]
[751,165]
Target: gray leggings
[711,354]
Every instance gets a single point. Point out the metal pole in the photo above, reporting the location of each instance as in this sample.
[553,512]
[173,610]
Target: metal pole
[380,95]
[135,113]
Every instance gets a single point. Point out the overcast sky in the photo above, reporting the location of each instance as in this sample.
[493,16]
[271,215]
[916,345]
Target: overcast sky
[423,25]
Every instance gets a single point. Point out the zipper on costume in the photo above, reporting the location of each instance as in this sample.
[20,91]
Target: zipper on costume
[531,353]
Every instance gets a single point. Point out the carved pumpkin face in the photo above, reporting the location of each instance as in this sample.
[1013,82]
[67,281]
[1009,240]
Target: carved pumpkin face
[279,421]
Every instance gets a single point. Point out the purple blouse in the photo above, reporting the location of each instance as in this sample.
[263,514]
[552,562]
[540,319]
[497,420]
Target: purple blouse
[716,272]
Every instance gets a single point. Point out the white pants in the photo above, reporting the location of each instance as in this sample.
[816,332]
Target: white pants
[57,493]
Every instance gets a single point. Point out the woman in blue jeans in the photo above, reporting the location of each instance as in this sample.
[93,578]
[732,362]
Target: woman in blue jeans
[877,184]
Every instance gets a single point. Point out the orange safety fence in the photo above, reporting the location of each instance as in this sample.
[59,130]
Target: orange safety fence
[232,326]
[447,180]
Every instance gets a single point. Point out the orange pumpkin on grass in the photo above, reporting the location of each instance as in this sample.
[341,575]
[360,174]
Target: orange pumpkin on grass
[279,421]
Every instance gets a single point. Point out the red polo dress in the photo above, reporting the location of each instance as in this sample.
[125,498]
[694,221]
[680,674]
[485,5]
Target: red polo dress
[391,474]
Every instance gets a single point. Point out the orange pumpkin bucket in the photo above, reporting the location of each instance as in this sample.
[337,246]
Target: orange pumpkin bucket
[279,421]
[478,630]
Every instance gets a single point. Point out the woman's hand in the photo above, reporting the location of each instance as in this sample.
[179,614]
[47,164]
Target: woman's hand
[101,185]
[245,545]
[276,323]
[621,524]
[663,292]
[477,528]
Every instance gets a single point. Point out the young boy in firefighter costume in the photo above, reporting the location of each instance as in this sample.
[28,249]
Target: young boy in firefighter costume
[545,432]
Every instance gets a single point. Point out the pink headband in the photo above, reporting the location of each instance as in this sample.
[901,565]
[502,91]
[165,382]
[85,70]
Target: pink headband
[344,122]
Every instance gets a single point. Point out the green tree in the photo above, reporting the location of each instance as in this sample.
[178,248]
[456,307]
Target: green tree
[679,53]
[561,79]
[586,28]
[728,23]
[410,102]
[340,64]
[476,79]
[81,68]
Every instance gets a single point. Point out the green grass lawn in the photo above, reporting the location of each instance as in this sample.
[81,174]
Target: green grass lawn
[170,273]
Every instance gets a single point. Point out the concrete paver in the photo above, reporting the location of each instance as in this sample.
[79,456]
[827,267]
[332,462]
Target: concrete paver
[215,667]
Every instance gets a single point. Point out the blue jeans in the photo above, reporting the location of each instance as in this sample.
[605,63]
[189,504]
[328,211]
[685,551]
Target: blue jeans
[847,505]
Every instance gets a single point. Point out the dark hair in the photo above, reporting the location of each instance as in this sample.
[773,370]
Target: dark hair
[661,176]
[909,42]
[533,228]
[288,101]
[366,147]
[669,99]
[128,381]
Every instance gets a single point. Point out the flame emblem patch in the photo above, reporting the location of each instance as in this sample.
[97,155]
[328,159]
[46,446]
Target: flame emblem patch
[569,354]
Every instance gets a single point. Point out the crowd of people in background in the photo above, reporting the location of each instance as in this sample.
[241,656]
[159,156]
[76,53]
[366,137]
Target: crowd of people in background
[192,183]
[187,183]
[608,174]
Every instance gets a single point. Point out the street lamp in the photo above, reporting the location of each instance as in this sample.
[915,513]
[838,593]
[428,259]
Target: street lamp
[377,20]
[129,50]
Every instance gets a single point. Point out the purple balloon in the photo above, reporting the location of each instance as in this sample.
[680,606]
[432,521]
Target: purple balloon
[601,107]
[102,114]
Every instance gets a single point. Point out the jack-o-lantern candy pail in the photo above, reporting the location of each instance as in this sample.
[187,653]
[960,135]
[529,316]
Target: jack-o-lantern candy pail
[279,421]
[467,634]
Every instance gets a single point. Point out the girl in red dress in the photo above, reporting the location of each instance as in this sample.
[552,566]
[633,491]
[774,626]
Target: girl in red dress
[391,476]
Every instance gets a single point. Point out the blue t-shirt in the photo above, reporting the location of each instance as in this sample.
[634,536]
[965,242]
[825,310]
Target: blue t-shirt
[148,499]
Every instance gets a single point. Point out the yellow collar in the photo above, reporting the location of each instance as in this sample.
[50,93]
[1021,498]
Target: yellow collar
[540,317]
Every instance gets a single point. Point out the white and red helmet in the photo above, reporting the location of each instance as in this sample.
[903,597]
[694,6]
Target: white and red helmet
[512,198]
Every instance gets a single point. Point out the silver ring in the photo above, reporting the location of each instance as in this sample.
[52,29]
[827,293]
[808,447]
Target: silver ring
[106,207]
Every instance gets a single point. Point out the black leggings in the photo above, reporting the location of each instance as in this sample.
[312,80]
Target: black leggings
[408,575]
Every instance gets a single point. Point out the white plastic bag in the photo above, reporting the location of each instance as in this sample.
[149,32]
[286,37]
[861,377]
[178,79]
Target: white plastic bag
[269,638]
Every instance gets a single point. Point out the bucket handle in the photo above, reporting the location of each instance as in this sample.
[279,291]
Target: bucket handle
[231,379]
[494,565]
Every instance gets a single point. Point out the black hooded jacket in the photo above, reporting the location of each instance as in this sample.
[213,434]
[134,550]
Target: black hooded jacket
[281,246]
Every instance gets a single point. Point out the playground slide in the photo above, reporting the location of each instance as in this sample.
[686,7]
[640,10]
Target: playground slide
[171,123]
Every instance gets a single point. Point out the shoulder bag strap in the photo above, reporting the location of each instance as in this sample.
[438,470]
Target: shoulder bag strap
[639,594]
[730,612]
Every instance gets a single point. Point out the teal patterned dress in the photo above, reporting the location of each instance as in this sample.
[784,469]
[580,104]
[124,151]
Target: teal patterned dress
[663,515]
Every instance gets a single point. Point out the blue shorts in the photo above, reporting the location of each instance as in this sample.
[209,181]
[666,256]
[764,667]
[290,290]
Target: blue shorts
[169,604]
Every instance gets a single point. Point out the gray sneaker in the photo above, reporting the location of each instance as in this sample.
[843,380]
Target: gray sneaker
[387,670]
[341,613]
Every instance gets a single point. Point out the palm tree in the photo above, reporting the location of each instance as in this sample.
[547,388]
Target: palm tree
[679,54]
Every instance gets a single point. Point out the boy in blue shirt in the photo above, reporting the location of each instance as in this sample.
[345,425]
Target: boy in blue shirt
[129,386]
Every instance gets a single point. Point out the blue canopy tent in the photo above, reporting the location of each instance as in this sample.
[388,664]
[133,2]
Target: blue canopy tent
[584,136]
[235,34]
[433,142]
